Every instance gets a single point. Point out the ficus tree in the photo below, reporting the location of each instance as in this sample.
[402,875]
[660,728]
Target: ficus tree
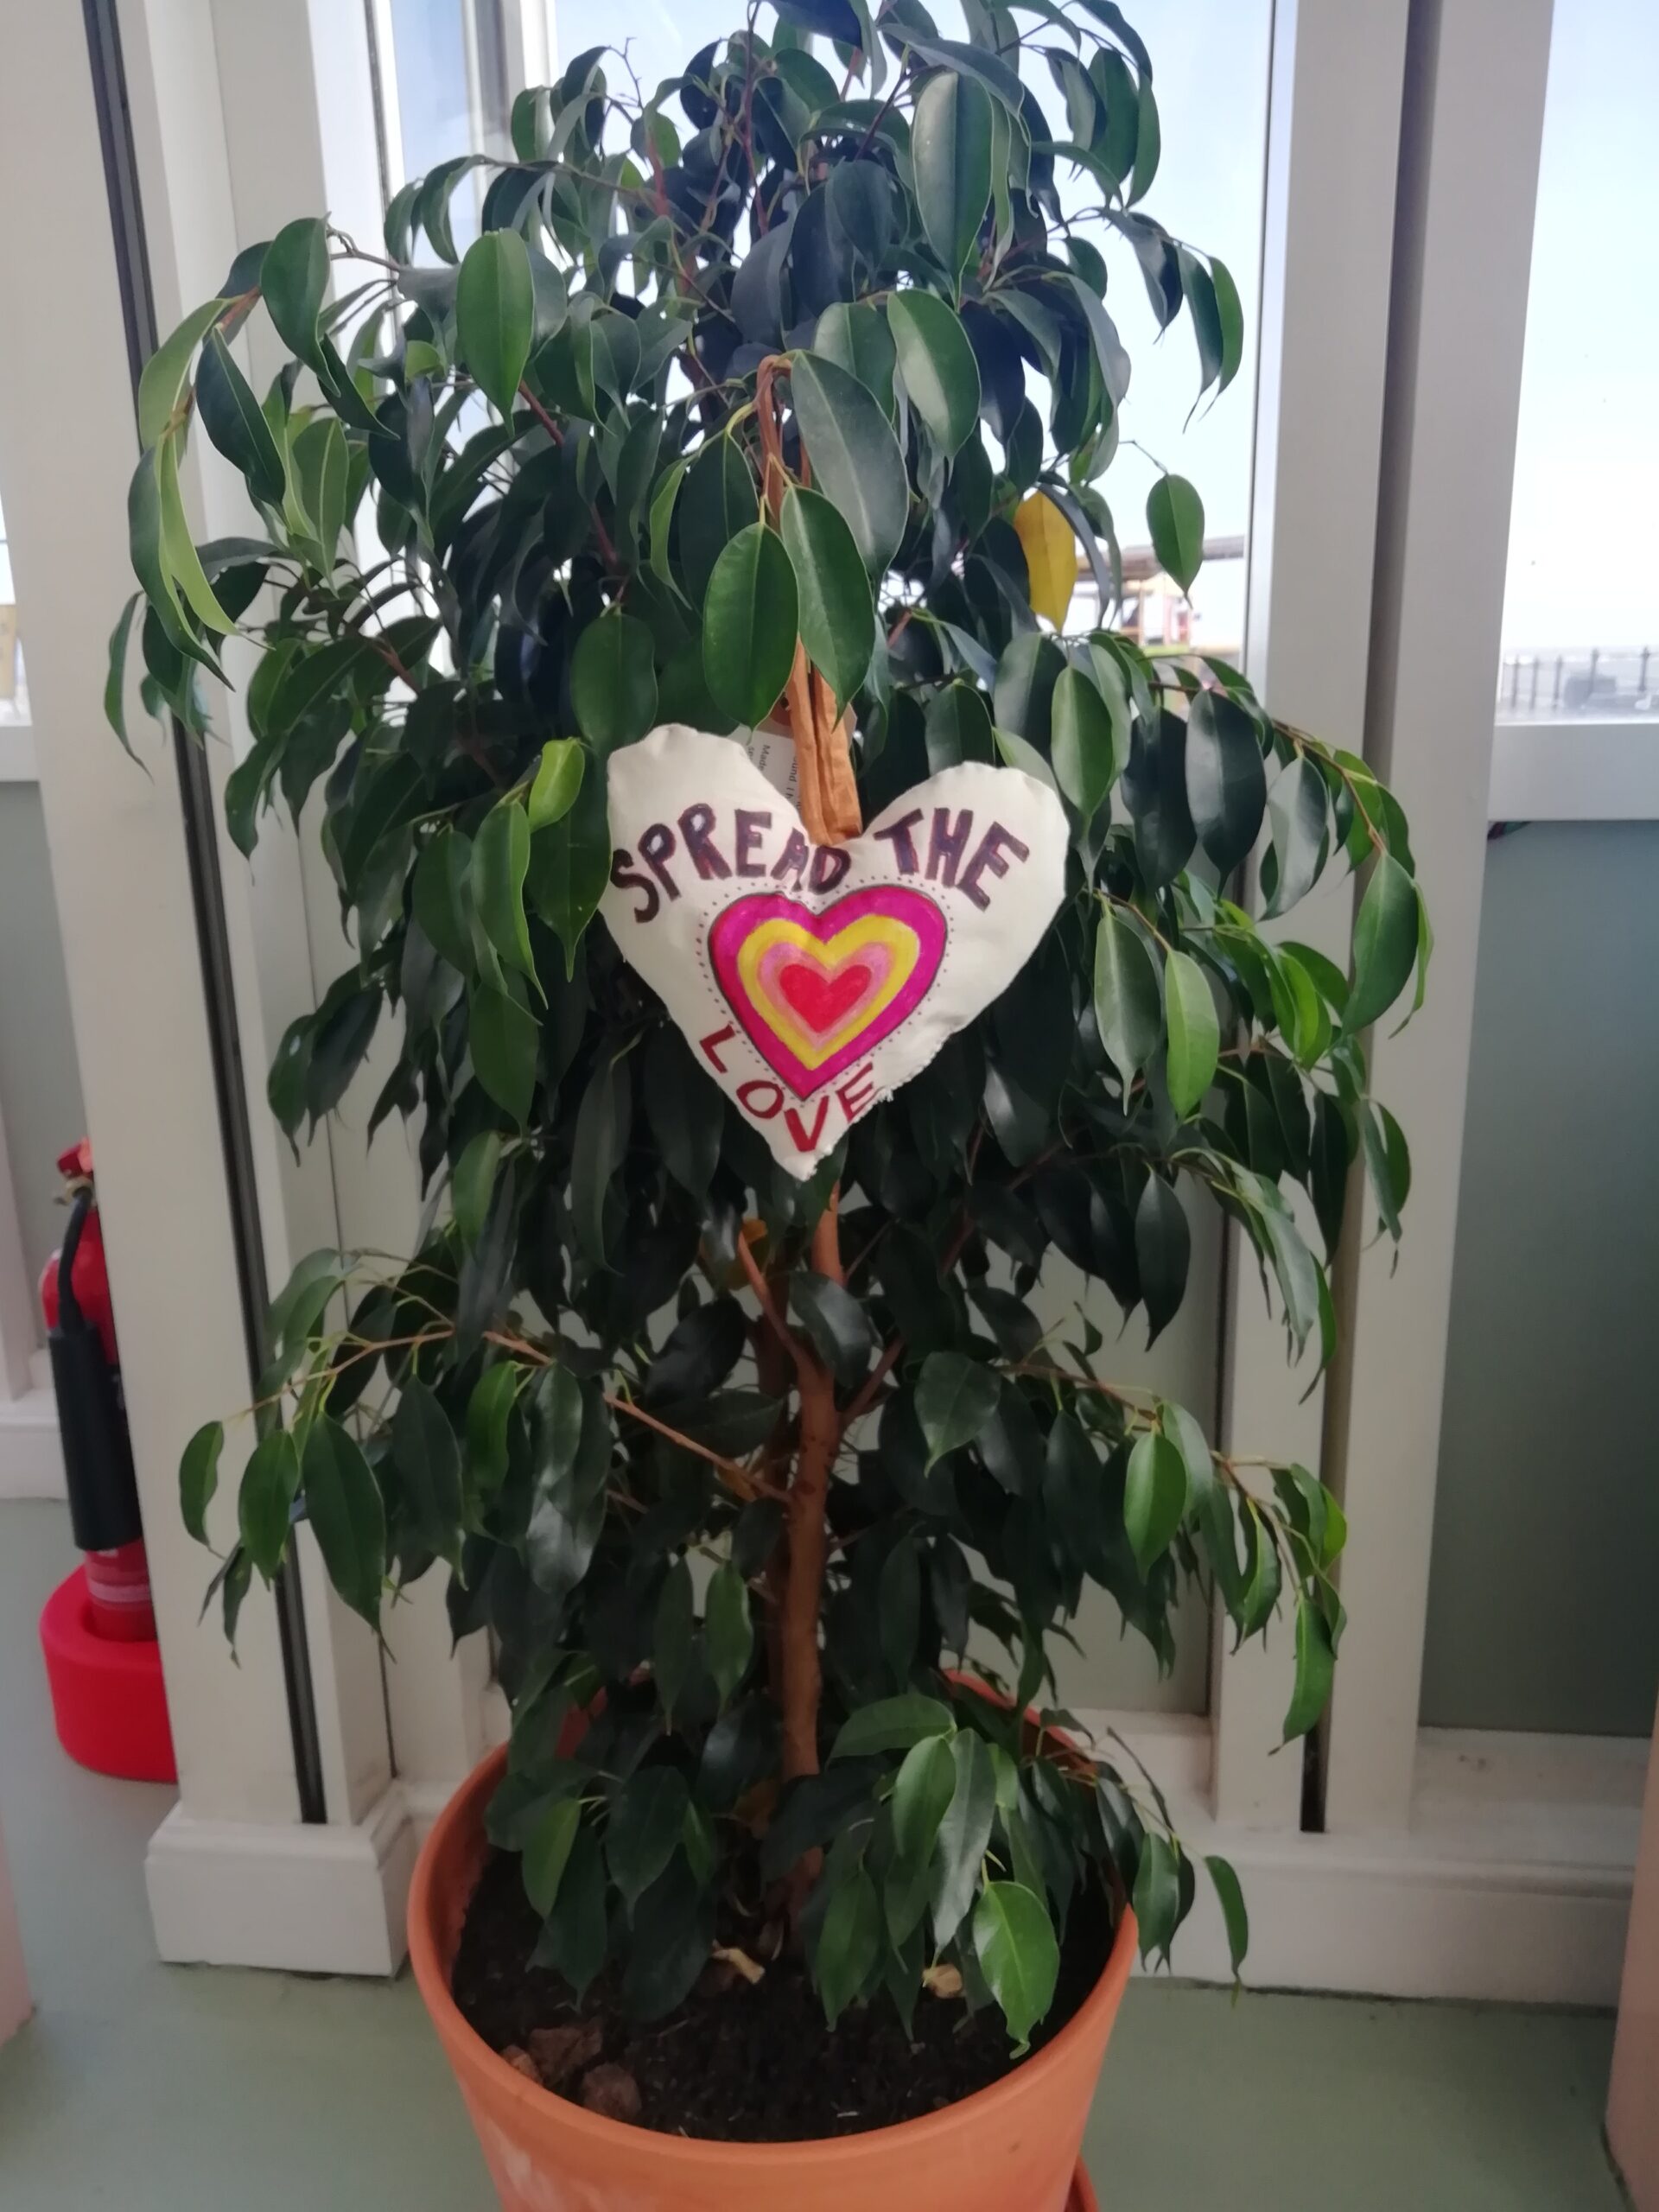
[786,388]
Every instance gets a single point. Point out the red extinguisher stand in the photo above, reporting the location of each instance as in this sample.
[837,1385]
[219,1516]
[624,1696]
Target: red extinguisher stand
[98,1631]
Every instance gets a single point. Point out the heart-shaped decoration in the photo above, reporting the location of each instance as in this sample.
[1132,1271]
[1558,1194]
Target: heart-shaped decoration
[813,982]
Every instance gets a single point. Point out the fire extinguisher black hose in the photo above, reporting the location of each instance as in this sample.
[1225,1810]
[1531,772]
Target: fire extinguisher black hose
[69,1313]
[201,846]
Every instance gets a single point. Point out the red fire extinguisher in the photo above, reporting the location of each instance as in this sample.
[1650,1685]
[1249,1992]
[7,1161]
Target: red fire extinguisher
[92,1415]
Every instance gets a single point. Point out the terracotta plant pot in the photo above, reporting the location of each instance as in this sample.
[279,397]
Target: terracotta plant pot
[1012,2148]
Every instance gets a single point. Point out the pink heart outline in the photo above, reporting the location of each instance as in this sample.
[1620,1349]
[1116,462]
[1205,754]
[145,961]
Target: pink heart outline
[732,927]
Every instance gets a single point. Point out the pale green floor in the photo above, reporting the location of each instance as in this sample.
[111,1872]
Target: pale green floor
[152,2088]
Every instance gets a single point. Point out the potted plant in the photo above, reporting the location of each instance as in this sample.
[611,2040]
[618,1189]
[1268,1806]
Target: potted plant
[762,427]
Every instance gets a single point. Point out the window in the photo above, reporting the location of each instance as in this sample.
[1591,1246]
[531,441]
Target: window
[1581,611]
[449,69]
[448,72]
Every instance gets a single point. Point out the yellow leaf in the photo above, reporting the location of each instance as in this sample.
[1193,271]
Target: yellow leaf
[1051,555]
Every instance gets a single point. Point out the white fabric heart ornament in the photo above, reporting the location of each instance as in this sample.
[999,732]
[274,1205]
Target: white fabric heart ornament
[813,982]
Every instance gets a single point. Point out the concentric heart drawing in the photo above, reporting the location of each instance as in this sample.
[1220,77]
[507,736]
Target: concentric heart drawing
[813,982]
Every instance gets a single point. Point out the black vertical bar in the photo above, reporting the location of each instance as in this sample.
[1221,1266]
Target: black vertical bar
[206,890]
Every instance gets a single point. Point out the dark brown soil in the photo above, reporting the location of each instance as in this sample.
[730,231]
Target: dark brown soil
[740,2062]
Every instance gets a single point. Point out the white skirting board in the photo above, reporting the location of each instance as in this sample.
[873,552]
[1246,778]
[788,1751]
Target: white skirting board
[1512,1886]
[306,1900]
[31,1456]
[1351,1916]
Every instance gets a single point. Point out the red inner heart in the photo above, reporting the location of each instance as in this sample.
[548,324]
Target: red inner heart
[821,1000]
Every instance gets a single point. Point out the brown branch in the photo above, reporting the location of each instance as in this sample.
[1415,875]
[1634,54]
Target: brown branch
[767,1303]
[737,1477]
[809,1542]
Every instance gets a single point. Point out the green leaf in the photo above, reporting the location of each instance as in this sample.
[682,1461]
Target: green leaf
[646,1822]
[1027,677]
[162,385]
[489,1413]
[1019,1955]
[1315,1668]
[428,1459]
[321,472]
[855,459]
[1112,360]
[729,1631]
[958,728]
[1127,1010]
[921,1797]
[671,1639]
[559,779]
[348,1517]
[1147,145]
[951,153]
[849,1943]
[1231,1898]
[1385,944]
[1157,1897]
[659,526]
[474,1183]
[603,1120]
[840,1328]
[750,623]
[179,555]
[857,338]
[612,681]
[500,863]
[115,683]
[837,613]
[1299,821]
[938,365]
[198,1477]
[574,1941]
[999,77]
[1194,1032]
[547,1853]
[1226,780]
[1163,1253]
[503,1039]
[1175,518]
[1230,310]
[1154,1497]
[893,1724]
[268,1483]
[294,279]
[718,501]
[955,1398]
[232,418]
[571,865]
[443,897]
[965,1834]
[1189,1439]
[1082,744]
[495,314]
[144,543]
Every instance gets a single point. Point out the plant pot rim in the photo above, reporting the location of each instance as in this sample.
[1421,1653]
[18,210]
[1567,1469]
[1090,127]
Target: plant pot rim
[432,1970]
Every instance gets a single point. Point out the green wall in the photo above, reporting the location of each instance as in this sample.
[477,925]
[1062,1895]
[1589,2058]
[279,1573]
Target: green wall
[1544,1598]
